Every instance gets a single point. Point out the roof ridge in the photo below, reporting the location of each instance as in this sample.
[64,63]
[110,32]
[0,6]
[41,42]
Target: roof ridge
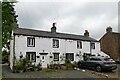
[33,32]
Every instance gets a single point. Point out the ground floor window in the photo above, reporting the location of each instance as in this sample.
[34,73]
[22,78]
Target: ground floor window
[31,56]
[70,56]
[56,56]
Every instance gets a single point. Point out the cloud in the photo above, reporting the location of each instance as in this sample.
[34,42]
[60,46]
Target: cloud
[70,17]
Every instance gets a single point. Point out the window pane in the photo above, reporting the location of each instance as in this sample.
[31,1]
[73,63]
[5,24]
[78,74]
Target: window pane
[28,41]
[80,44]
[28,56]
[33,56]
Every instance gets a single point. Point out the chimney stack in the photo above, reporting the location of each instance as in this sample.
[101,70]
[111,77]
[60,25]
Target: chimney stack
[86,33]
[109,29]
[53,29]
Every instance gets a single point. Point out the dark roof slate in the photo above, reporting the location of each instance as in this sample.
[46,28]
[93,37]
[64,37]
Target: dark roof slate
[40,33]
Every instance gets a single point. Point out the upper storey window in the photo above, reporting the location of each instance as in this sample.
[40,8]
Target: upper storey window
[55,43]
[30,42]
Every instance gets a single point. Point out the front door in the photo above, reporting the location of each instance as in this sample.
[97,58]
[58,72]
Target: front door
[44,59]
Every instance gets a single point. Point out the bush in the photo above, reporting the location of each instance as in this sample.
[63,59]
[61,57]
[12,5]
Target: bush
[22,64]
[19,65]
[85,57]
[68,64]
[5,55]
[75,64]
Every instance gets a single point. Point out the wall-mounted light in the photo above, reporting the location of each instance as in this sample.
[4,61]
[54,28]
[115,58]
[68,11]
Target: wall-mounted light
[21,55]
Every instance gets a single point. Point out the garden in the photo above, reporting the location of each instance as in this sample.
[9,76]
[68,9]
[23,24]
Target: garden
[24,64]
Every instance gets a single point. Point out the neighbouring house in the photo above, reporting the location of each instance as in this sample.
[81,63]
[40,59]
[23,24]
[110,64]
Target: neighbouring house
[110,43]
[48,47]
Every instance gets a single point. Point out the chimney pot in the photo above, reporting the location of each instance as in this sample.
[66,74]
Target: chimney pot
[109,29]
[86,33]
[53,28]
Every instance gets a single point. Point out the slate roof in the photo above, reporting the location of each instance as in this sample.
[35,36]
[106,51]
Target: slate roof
[40,33]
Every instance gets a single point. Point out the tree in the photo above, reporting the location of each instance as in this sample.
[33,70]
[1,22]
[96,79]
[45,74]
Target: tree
[9,22]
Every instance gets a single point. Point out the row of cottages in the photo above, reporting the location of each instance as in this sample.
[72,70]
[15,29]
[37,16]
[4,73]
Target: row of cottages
[110,43]
[50,47]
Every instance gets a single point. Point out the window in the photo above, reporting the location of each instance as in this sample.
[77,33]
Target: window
[31,42]
[92,45]
[79,44]
[31,56]
[70,56]
[55,43]
[56,56]
[108,59]
[95,59]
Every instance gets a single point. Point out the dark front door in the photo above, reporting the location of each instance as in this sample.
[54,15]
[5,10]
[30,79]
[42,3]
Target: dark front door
[70,56]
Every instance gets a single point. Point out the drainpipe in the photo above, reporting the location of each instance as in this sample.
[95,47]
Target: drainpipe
[13,53]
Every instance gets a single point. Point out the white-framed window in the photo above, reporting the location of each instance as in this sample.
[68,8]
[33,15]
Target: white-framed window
[56,56]
[92,45]
[30,42]
[79,44]
[31,56]
[55,43]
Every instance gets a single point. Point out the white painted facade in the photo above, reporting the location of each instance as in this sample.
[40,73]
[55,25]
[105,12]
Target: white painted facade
[45,45]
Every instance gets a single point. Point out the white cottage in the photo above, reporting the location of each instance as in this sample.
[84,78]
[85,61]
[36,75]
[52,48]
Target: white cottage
[46,47]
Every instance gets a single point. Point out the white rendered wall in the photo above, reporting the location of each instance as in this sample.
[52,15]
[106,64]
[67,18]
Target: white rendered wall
[44,45]
[96,51]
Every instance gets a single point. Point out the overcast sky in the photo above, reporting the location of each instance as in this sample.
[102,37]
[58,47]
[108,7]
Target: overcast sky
[71,17]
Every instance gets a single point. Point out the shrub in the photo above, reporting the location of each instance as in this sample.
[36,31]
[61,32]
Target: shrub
[22,64]
[68,64]
[5,55]
[75,64]
[67,61]
[19,65]
[85,57]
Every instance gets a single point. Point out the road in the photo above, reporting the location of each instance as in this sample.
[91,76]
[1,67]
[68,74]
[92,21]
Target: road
[59,74]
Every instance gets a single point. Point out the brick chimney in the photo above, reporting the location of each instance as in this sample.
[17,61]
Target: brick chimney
[53,29]
[86,33]
[109,29]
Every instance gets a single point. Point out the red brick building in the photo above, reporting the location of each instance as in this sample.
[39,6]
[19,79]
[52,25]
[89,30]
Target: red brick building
[110,43]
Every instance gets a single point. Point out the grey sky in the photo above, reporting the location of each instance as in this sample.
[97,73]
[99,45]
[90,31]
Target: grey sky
[71,17]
